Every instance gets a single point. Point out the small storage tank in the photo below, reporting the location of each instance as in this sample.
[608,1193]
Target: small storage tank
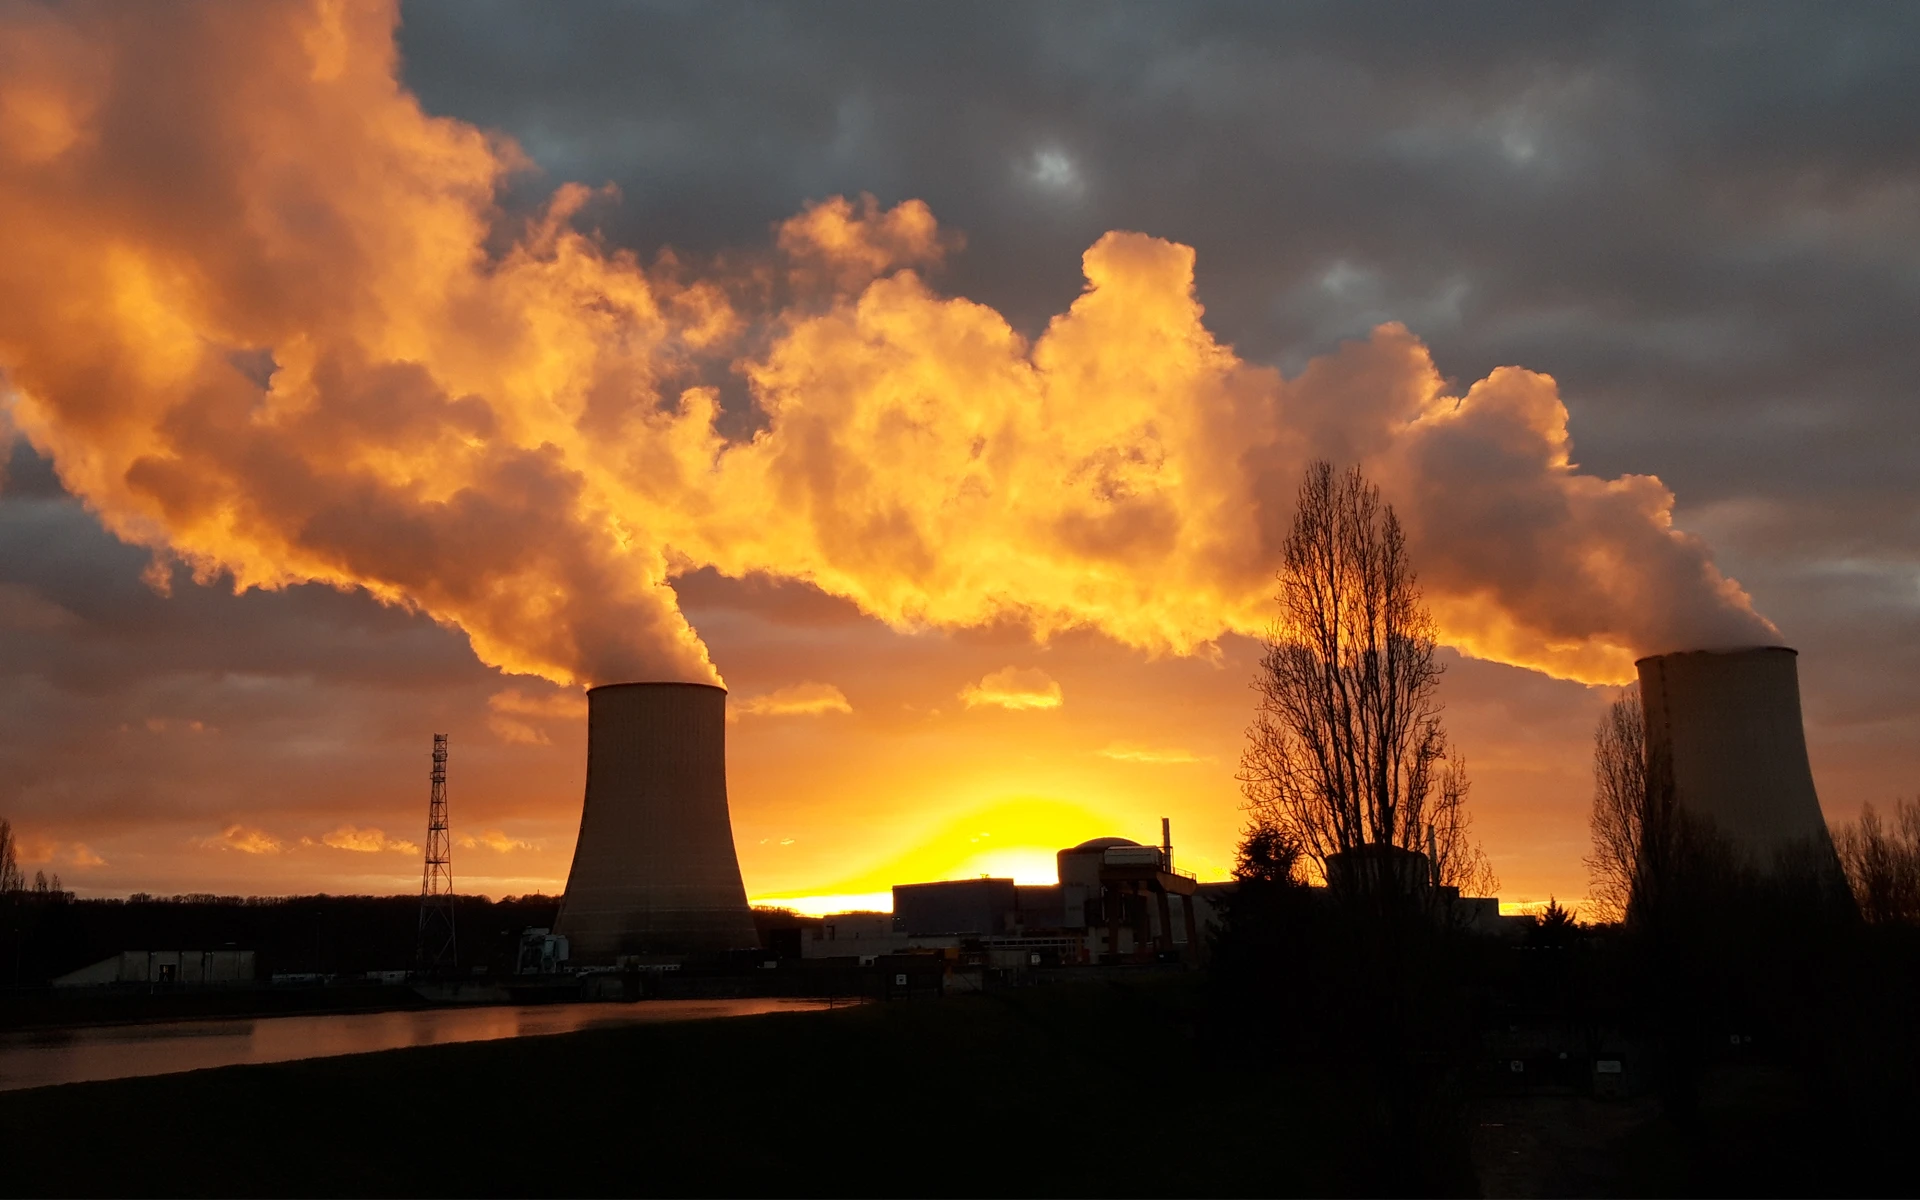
[654,871]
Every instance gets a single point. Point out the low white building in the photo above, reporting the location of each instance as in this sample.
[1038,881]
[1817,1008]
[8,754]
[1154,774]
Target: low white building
[198,968]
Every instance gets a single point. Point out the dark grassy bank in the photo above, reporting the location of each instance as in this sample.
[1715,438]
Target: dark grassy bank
[1070,1090]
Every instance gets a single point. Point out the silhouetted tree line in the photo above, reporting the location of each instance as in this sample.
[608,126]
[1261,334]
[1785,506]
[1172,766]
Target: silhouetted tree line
[1882,861]
[289,934]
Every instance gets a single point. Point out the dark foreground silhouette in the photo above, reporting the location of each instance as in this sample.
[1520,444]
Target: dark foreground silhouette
[1069,1090]
[1757,1039]
[1150,1085]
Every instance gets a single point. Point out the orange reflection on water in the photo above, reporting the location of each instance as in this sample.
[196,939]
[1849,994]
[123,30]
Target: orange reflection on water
[43,1058]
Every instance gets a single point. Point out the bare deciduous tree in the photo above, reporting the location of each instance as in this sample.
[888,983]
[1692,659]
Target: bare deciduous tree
[10,878]
[1347,748]
[1646,851]
[1459,861]
[1621,797]
[1883,863]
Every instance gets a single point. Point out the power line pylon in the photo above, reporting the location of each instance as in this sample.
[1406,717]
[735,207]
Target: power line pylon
[436,948]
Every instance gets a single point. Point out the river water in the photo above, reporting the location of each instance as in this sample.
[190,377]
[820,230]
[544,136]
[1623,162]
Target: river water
[37,1058]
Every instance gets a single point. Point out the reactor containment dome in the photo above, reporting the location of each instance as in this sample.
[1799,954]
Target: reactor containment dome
[1727,723]
[655,871]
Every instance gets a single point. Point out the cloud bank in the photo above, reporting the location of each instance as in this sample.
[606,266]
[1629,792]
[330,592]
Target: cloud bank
[799,699]
[366,841]
[266,317]
[1015,688]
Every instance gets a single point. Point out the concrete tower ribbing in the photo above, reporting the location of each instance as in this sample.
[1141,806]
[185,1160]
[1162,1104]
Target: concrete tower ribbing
[655,871]
[1729,724]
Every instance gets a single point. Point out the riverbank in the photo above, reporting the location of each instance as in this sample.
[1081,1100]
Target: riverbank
[49,1057]
[1071,1090]
[1111,1088]
[27,1009]
[48,1008]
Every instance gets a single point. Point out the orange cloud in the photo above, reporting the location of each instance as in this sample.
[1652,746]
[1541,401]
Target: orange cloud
[1133,752]
[800,699]
[244,838]
[162,724]
[366,841]
[32,850]
[1016,688]
[854,243]
[495,840]
[498,433]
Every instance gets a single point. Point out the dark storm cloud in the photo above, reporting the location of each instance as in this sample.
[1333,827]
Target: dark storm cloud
[1689,215]
[1704,220]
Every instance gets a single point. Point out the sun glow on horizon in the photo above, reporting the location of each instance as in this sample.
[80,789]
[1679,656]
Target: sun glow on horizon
[1014,837]
[828,905]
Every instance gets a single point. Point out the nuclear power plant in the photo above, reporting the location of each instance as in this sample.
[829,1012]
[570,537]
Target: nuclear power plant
[655,872]
[1727,723]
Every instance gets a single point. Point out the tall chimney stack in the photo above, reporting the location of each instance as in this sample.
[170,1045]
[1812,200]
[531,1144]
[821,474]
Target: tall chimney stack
[655,871]
[1728,722]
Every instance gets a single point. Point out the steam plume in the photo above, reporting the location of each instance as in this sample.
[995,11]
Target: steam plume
[256,309]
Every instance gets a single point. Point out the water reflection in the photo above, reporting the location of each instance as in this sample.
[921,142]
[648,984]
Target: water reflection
[38,1058]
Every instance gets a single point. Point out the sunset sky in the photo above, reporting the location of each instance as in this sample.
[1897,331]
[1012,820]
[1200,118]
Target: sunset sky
[937,378]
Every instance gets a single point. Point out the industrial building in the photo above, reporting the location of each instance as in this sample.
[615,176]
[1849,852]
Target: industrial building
[655,875]
[181,968]
[654,872]
[1727,725]
[1116,901]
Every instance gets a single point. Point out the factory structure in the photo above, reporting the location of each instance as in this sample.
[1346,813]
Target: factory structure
[1726,726]
[655,883]
[654,871]
[1116,902]
[655,875]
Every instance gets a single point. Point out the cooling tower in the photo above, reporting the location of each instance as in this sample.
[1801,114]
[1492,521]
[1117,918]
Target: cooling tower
[1729,722]
[654,871]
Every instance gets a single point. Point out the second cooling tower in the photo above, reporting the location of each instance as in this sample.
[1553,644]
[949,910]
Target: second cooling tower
[655,870]
[1729,725]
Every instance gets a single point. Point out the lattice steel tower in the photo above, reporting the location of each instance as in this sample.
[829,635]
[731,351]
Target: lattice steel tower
[436,950]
